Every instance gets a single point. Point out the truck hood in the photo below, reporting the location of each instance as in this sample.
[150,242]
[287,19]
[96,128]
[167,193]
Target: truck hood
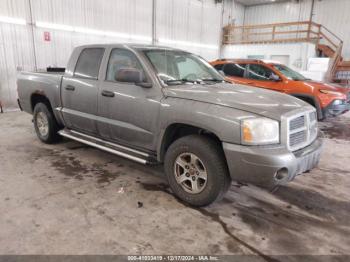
[251,99]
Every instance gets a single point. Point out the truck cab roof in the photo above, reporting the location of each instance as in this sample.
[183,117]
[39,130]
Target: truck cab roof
[131,46]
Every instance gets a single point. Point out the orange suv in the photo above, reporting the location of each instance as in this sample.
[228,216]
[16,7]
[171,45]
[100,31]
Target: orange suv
[329,100]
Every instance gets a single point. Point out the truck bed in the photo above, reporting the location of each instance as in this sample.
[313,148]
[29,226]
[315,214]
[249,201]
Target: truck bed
[47,83]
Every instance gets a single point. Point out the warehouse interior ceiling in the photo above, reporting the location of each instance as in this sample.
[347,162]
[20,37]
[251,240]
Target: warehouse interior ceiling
[260,2]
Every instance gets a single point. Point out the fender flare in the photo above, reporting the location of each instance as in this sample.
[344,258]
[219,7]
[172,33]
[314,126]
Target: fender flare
[315,101]
[167,131]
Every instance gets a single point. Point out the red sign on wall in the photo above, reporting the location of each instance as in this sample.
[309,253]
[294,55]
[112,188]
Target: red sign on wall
[47,36]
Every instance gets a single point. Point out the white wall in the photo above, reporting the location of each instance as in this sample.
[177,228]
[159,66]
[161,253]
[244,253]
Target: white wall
[233,11]
[131,17]
[298,52]
[193,25]
[278,12]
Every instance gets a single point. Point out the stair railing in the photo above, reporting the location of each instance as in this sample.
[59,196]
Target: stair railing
[271,33]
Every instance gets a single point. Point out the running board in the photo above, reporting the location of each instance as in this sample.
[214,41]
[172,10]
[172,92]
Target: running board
[113,148]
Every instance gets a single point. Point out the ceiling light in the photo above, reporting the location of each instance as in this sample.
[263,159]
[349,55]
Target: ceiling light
[54,26]
[12,20]
[84,30]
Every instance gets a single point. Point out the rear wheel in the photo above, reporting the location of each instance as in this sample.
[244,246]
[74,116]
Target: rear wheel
[45,124]
[196,169]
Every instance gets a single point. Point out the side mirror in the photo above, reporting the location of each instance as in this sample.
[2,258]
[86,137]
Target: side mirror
[131,75]
[274,77]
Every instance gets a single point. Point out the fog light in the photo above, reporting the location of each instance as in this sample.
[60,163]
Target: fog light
[281,174]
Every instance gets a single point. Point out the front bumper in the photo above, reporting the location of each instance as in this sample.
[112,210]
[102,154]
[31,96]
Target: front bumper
[270,166]
[336,109]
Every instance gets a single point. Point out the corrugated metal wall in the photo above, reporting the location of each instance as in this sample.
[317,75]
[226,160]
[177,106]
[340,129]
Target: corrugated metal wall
[15,48]
[233,12]
[193,25]
[133,17]
[188,22]
[334,14]
[278,13]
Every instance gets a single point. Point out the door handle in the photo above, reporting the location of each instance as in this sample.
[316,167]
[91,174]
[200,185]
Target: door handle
[107,93]
[70,88]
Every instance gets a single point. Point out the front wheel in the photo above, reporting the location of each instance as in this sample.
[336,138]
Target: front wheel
[196,170]
[45,124]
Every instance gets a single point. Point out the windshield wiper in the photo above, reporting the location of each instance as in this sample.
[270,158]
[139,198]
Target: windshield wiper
[215,80]
[178,81]
[299,79]
[212,79]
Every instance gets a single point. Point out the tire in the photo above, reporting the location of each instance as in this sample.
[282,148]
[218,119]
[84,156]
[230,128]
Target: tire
[45,124]
[209,159]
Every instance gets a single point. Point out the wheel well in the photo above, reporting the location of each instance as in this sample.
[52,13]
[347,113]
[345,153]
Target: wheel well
[308,100]
[176,131]
[38,98]
[314,103]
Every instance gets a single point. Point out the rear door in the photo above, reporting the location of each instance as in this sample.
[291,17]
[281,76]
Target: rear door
[261,76]
[79,91]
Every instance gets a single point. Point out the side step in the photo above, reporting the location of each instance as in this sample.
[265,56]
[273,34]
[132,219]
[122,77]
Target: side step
[113,148]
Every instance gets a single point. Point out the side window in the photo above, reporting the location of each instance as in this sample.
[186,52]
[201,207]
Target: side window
[260,72]
[119,60]
[236,70]
[88,64]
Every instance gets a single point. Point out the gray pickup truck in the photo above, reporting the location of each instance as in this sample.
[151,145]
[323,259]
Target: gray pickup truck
[156,104]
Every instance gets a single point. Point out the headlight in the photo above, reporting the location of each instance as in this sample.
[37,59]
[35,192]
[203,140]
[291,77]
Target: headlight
[324,91]
[337,102]
[260,131]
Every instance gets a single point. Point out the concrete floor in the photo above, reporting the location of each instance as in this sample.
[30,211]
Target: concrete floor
[73,199]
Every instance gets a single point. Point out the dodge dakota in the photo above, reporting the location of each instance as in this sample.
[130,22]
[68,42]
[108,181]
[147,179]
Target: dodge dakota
[160,105]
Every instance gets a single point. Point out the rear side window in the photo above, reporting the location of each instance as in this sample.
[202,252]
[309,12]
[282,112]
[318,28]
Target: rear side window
[236,70]
[89,62]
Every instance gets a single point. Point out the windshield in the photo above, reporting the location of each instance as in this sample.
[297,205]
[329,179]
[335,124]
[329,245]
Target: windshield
[289,73]
[178,67]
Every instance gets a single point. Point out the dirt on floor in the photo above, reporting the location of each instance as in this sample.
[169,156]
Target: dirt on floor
[69,198]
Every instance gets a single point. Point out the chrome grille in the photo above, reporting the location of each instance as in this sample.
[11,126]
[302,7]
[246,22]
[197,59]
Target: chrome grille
[297,123]
[297,138]
[302,130]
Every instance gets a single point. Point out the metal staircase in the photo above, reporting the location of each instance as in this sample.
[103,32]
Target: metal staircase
[327,43]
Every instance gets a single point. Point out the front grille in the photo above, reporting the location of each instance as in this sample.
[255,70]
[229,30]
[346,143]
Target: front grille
[302,130]
[297,138]
[297,123]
